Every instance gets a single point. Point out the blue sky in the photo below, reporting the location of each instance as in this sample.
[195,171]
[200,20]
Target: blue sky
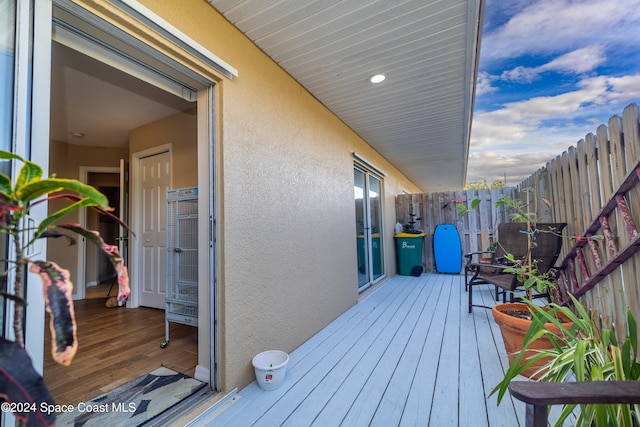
[550,72]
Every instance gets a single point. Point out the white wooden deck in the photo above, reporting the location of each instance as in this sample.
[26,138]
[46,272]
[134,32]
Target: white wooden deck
[407,354]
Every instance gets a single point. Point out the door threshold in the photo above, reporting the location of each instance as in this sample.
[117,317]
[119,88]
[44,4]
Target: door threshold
[213,409]
[176,414]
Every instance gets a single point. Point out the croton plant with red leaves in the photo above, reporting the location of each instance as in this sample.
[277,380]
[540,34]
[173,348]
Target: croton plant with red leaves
[20,384]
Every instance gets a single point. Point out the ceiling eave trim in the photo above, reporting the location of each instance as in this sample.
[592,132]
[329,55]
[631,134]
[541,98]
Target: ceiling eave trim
[475,20]
[118,20]
[161,26]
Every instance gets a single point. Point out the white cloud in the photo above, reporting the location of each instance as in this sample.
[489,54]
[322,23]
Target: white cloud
[551,26]
[624,88]
[578,61]
[526,115]
[484,83]
[491,166]
[521,74]
[547,125]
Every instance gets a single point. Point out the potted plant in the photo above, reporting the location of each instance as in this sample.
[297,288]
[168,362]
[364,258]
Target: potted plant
[486,257]
[514,319]
[525,251]
[581,352]
[21,386]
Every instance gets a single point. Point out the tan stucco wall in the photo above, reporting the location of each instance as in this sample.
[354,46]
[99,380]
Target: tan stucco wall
[179,130]
[65,161]
[287,231]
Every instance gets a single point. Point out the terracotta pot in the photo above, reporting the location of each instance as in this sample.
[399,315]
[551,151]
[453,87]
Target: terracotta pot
[513,330]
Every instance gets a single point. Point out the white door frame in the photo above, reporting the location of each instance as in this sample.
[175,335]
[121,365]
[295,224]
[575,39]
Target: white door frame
[82,220]
[196,83]
[136,217]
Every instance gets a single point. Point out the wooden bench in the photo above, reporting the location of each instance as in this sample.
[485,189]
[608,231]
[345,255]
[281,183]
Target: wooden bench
[538,396]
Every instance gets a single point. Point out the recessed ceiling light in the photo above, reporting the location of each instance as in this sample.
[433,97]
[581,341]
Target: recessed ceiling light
[377,78]
[77,134]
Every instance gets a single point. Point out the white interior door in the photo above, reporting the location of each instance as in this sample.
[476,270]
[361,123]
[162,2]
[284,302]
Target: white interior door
[154,180]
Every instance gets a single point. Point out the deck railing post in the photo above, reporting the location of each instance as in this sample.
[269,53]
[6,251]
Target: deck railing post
[536,415]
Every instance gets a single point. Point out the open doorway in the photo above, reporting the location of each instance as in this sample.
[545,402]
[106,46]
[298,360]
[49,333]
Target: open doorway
[100,277]
[99,115]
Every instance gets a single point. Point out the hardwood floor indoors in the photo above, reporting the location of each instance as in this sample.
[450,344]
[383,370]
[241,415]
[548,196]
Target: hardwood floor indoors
[116,345]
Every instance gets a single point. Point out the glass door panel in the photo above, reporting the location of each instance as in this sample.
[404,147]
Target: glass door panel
[361,238]
[375,219]
[369,233]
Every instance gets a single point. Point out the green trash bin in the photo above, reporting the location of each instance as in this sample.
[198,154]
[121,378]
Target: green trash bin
[409,252]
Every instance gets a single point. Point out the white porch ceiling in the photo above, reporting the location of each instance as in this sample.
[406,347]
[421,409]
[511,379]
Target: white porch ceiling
[419,118]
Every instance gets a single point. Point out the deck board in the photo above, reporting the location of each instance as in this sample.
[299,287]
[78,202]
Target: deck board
[389,350]
[407,354]
[471,394]
[393,402]
[494,362]
[418,404]
[364,352]
[350,380]
[448,368]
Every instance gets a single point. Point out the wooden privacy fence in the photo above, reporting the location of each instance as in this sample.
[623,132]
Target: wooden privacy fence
[586,188]
[476,229]
[575,188]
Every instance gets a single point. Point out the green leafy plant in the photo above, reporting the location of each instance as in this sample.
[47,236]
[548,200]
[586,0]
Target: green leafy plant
[529,275]
[526,269]
[580,353]
[20,385]
[520,211]
[463,210]
[492,246]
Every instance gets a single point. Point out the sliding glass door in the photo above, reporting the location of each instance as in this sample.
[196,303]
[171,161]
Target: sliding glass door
[7,56]
[369,232]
